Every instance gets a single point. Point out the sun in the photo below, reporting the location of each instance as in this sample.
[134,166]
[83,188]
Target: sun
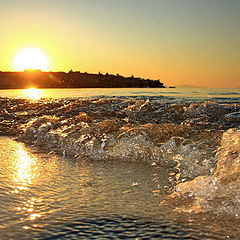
[31,58]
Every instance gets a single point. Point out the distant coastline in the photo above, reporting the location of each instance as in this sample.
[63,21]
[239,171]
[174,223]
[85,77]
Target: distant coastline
[72,79]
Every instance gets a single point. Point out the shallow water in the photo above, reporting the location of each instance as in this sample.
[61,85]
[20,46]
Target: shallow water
[43,196]
[130,163]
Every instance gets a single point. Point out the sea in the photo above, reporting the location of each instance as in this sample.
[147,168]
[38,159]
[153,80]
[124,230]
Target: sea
[120,163]
[170,94]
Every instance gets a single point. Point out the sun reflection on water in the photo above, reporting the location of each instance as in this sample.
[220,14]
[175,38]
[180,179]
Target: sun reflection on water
[25,173]
[33,93]
[24,169]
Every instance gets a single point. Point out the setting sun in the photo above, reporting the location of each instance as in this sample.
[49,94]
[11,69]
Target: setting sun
[31,58]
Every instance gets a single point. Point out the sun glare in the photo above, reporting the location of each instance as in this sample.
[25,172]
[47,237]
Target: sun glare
[32,93]
[31,58]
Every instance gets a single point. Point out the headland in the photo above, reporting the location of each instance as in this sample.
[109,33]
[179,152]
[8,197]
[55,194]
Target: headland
[72,79]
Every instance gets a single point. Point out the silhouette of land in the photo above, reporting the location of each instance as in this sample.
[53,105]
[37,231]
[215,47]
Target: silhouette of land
[72,79]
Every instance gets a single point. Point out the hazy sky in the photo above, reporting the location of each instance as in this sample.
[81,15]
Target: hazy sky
[181,42]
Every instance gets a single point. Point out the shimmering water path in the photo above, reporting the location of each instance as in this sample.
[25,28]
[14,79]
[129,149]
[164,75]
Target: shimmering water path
[43,196]
[165,94]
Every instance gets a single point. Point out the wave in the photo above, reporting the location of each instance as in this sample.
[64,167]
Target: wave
[219,192]
[222,93]
[197,142]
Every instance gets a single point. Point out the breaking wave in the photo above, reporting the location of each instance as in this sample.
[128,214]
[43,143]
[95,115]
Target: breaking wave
[199,143]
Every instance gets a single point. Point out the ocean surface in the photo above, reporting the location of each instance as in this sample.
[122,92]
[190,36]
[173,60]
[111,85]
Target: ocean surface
[120,164]
[168,94]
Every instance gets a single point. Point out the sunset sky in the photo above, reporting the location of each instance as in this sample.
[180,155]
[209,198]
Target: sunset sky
[181,42]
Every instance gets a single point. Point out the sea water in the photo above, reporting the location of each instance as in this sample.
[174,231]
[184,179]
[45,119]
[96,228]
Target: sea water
[50,197]
[174,94]
[109,163]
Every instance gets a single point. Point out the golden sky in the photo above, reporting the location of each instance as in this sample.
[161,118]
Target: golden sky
[181,42]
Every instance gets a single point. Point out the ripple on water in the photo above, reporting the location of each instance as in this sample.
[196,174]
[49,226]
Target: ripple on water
[117,227]
[74,199]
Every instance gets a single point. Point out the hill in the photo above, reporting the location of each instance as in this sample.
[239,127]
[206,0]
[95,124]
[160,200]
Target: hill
[36,78]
